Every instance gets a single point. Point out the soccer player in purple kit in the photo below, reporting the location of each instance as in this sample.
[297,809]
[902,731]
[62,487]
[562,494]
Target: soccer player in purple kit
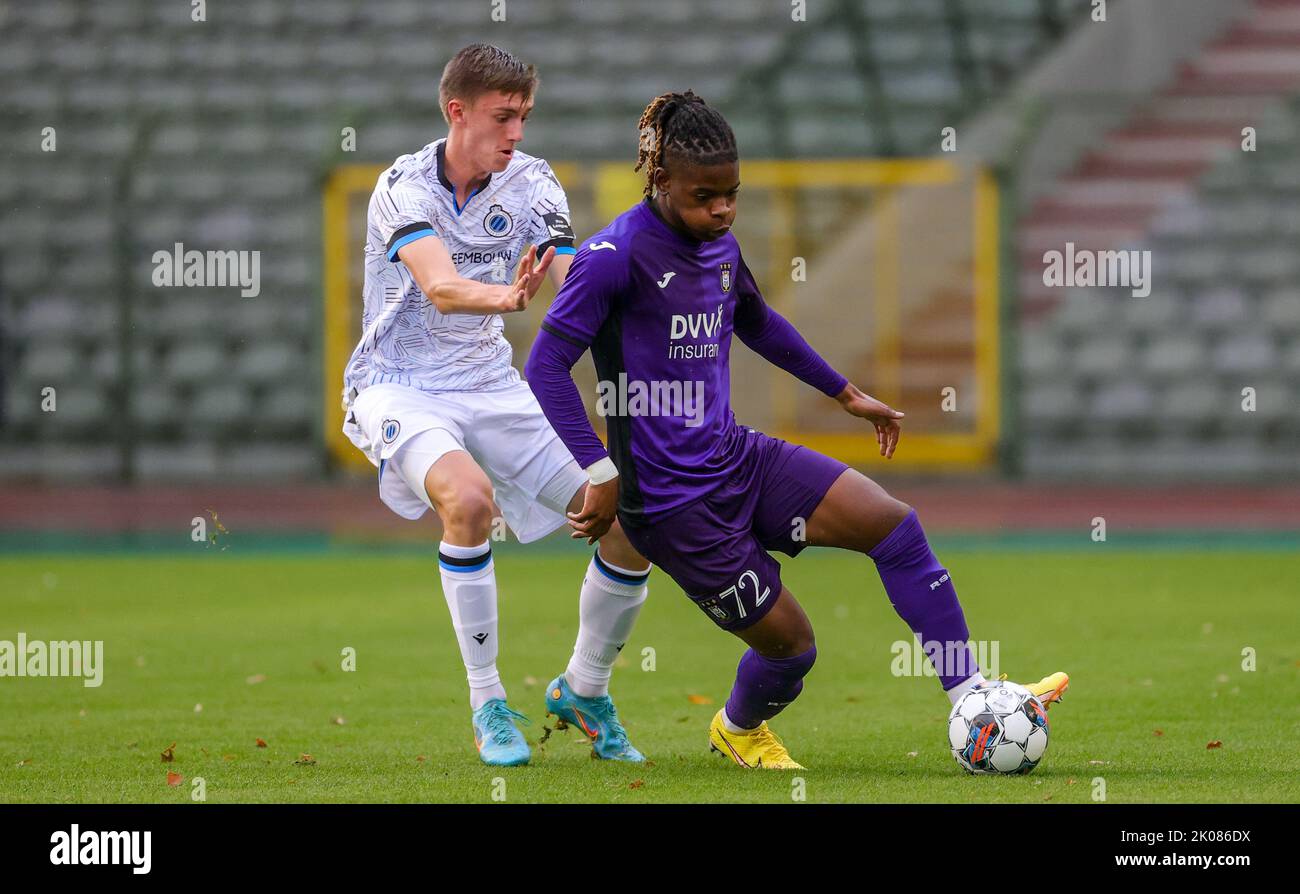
[656,296]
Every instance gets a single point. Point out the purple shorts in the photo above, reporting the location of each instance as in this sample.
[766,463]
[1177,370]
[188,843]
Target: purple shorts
[716,548]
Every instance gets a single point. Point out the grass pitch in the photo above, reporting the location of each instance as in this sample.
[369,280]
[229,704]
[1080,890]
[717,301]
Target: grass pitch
[218,651]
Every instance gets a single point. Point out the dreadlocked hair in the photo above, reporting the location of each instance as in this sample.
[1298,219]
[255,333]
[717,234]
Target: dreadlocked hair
[683,123]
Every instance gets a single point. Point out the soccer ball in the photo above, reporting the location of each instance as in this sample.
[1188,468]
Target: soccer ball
[999,729]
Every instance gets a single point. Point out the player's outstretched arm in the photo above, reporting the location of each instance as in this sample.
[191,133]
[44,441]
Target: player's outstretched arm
[775,339]
[772,337]
[431,266]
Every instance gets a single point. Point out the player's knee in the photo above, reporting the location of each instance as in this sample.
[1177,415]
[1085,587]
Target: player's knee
[616,549]
[795,639]
[467,510]
[881,517]
[896,511]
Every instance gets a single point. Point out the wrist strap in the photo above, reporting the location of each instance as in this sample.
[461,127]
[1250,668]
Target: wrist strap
[601,471]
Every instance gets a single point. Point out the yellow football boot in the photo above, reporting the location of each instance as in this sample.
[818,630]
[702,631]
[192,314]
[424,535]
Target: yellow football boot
[1049,689]
[756,749]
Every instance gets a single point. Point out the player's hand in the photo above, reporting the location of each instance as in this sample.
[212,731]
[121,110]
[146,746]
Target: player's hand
[599,508]
[528,279]
[884,417]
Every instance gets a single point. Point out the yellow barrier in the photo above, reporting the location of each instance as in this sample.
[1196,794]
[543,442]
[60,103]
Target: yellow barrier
[599,192]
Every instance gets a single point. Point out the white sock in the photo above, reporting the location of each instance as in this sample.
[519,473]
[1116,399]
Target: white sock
[470,585]
[609,604]
[955,693]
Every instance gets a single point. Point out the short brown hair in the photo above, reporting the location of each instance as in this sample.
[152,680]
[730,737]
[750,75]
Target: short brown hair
[482,68]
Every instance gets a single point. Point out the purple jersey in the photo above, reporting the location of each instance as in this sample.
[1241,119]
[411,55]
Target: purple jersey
[658,309]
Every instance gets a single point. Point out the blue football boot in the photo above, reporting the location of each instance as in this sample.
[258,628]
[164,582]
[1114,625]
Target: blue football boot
[499,741]
[596,717]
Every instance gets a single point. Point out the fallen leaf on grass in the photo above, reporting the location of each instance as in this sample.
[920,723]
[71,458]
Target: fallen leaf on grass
[255,679]
[229,757]
[637,783]
[1215,744]
[169,753]
[305,760]
[174,778]
[1159,732]
[420,758]
[1069,782]
[261,743]
[699,699]
[24,762]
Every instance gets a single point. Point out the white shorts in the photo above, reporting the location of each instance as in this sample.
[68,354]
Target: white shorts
[532,473]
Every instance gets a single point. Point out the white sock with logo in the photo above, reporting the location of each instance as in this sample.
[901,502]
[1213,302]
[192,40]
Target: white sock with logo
[608,606]
[469,584]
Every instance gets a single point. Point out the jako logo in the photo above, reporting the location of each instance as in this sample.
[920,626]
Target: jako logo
[77,848]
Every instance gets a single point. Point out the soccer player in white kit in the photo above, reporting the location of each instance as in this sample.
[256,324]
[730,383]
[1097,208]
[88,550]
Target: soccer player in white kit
[430,395]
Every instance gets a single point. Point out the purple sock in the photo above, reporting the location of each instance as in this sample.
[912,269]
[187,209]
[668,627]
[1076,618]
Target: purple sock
[766,685]
[924,597]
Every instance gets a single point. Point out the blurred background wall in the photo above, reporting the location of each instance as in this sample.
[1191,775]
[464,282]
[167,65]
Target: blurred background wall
[1118,134]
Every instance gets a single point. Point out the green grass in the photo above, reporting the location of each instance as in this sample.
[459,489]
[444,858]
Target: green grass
[1152,640]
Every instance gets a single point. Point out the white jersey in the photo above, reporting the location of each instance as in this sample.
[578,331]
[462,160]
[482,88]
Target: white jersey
[405,339]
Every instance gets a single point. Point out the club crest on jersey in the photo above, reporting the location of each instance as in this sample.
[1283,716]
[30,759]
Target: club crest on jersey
[390,430]
[498,222]
[725,271]
[713,606]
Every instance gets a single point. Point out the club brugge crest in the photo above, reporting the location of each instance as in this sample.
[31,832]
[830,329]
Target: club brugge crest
[390,430]
[498,222]
[725,270]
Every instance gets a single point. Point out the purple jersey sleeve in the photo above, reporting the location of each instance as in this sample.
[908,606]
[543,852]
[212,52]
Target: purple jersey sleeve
[772,337]
[576,315]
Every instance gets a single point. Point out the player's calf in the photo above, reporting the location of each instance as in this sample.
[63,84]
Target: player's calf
[769,677]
